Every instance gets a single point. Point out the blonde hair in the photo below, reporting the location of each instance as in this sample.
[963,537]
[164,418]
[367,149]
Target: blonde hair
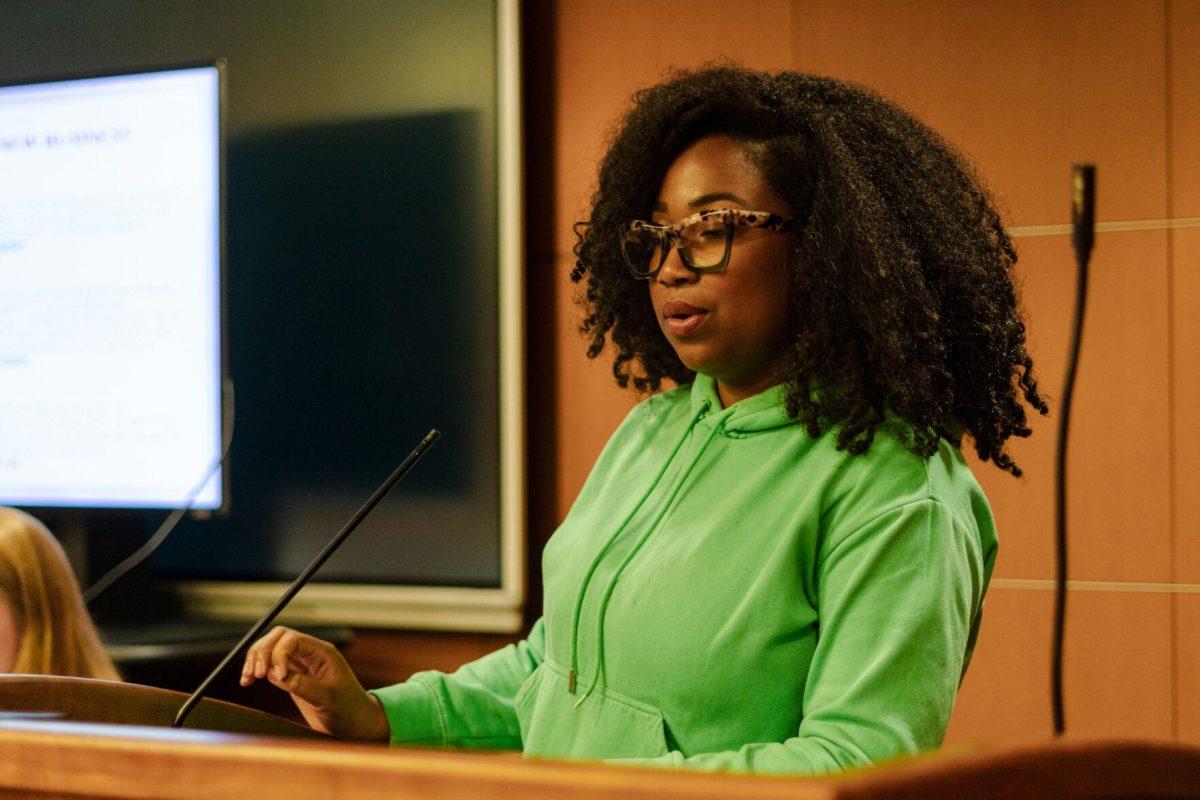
[57,636]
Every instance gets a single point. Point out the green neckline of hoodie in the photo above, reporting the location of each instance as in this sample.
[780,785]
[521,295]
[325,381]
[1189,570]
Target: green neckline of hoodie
[767,410]
[685,589]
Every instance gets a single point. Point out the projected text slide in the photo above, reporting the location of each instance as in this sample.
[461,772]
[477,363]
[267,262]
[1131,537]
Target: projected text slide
[109,291]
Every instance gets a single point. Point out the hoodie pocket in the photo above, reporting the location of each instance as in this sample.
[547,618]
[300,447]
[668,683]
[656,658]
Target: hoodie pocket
[607,724]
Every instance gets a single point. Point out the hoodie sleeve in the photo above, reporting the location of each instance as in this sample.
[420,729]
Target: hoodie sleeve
[472,707]
[898,597]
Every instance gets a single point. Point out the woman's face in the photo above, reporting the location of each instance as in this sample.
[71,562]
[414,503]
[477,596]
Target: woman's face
[731,324]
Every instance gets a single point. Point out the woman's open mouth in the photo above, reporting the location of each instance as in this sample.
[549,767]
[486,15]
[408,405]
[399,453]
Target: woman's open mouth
[683,318]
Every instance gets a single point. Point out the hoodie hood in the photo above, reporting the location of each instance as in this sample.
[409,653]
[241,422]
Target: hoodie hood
[767,410]
[764,411]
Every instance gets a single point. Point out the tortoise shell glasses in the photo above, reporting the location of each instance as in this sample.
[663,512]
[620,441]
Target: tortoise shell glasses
[705,239]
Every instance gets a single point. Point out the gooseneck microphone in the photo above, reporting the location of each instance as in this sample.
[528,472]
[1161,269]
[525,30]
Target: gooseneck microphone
[1083,234]
[1083,210]
[254,632]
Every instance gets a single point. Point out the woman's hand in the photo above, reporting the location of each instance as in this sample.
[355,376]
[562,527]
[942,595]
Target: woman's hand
[320,682]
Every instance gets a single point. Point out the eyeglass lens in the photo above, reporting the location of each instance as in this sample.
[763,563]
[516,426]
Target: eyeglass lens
[703,243]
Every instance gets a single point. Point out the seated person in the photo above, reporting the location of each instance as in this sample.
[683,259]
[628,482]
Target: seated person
[45,629]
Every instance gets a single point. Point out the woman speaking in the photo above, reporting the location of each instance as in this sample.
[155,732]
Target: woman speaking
[779,564]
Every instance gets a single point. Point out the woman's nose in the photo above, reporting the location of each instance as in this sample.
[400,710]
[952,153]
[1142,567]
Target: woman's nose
[674,272]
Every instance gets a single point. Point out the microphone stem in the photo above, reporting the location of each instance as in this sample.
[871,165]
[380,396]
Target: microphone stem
[304,577]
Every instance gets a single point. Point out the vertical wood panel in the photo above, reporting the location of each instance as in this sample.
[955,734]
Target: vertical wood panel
[1184,54]
[1025,87]
[1187,662]
[608,50]
[1186,408]
[1116,668]
[1185,105]
[1005,696]
[1118,477]
[539,77]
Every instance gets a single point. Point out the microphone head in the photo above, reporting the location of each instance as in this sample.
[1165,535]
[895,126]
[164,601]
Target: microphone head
[1083,206]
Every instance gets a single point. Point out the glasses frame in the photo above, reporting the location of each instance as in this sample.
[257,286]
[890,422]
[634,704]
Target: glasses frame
[672,238]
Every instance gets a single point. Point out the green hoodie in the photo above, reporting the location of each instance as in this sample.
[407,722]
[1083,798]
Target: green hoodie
[728,593]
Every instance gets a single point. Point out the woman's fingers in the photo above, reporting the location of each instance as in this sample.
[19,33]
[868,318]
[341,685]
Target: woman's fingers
[299,650]
[258,657]
[319,680]
[301,686]
[281,653]
[289,659]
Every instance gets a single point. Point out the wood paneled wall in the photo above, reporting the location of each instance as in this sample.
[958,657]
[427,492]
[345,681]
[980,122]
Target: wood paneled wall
[1024,89]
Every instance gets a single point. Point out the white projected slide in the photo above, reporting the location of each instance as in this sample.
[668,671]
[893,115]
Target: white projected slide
[110,347]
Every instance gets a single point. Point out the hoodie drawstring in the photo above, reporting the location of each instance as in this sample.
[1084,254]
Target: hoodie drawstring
[600,665]
[612,583]
[587,577]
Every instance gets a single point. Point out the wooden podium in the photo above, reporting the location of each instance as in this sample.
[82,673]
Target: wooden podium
[89,756]
[88,700]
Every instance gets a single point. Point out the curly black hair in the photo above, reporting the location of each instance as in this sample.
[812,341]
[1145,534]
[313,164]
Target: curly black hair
[902,294]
